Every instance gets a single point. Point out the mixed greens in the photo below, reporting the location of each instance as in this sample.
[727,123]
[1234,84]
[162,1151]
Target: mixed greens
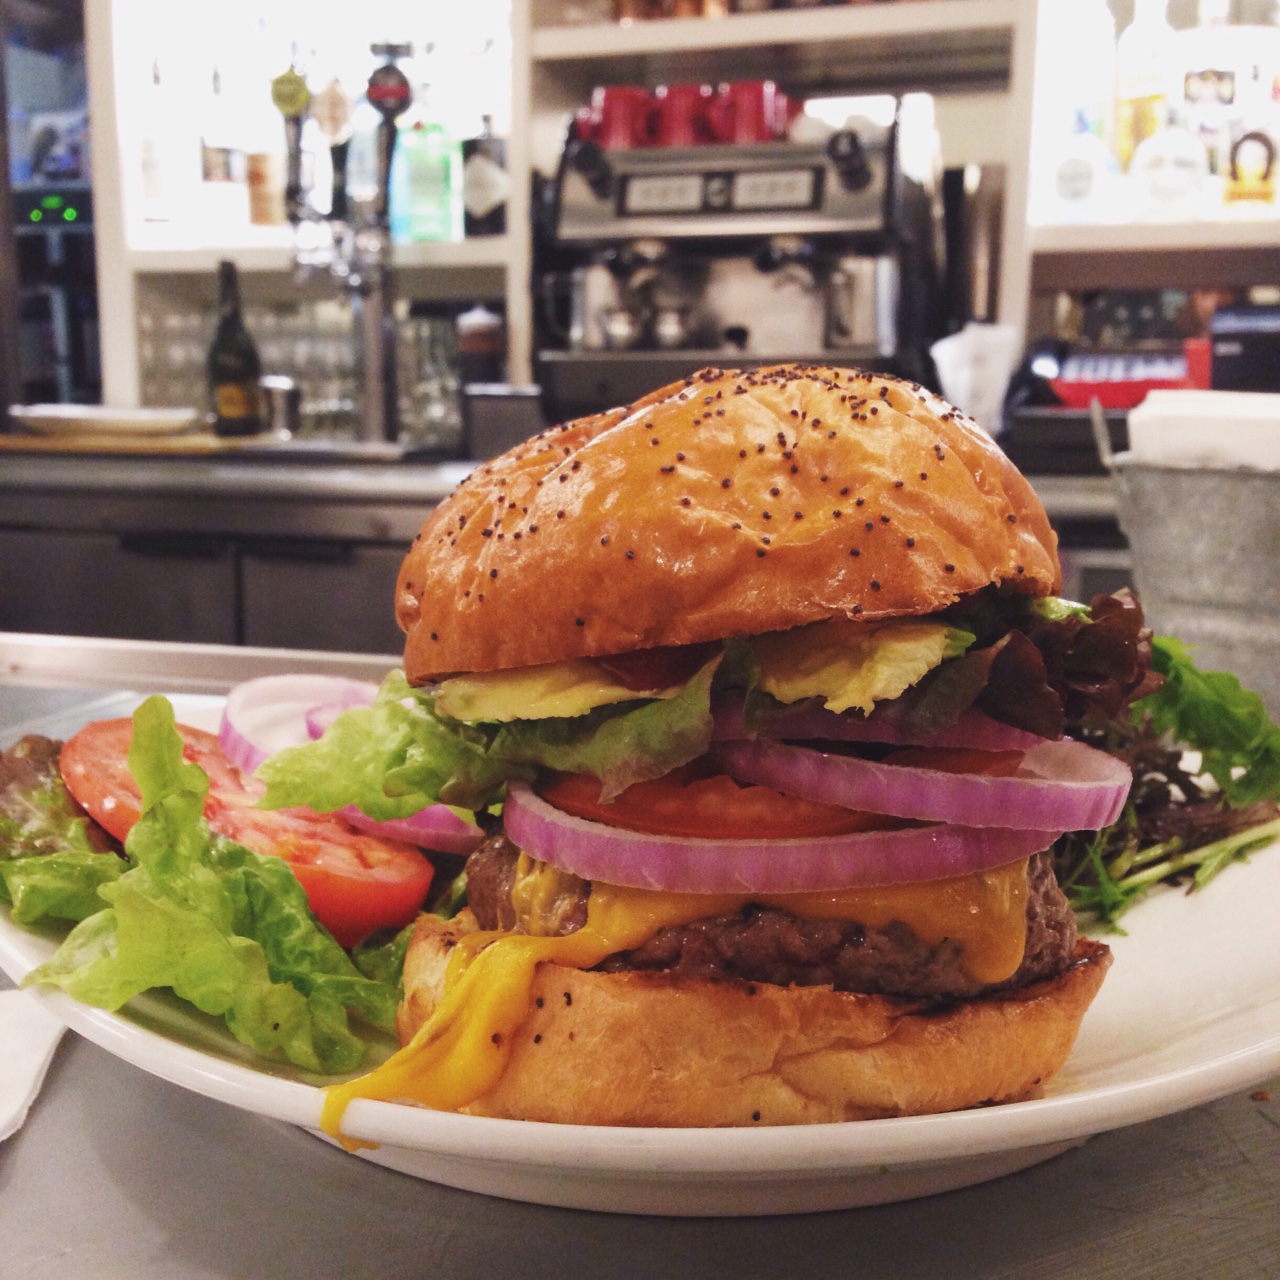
[225,928]
[1181,824]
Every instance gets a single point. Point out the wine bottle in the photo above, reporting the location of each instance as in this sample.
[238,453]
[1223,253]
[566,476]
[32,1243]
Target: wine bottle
[234,367]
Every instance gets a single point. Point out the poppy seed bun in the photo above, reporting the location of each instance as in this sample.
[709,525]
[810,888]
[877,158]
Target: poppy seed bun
[656,1049]
[728,504]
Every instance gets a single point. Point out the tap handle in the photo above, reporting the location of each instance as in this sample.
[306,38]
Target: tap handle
[389,93]
[291,96]
[332,113]
[340,208]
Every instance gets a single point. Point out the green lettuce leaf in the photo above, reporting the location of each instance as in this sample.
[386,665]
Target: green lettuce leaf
[53,857]
[224,928]
[1210,712]
[57,886]
[401,755]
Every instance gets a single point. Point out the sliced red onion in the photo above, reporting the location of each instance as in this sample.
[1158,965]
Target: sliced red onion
[595,851]
[1064,786]
[436,827]
[265,715]
[270,713]
[973,730]
[318,719]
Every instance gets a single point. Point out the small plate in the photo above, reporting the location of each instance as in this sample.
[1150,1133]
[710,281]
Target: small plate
[99,420]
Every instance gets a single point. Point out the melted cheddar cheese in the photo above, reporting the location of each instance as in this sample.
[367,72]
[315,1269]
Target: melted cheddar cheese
[460,1052]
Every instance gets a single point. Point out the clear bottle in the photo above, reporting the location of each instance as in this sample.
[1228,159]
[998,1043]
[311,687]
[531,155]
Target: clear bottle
[1084,179]
[1208,79]
[1146,55]
[1075,102]
[1168,174]
[426,178]
[1078,75]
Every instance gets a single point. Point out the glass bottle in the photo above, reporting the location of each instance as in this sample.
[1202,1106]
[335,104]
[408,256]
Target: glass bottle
[233,366]
[426,178]
[1145,58]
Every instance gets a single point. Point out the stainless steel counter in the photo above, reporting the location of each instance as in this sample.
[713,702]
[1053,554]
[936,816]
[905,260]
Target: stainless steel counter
[213,495]
[119,1175]
[220,477]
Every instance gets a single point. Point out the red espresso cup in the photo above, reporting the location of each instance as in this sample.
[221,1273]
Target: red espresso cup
[618,117]
[745,111]
[680,115]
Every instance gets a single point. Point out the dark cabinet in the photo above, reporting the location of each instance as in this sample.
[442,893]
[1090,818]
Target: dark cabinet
[275,554]
[286,593]
[321,595]
[144,587]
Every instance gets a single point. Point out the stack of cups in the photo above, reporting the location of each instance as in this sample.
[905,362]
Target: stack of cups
[686,115]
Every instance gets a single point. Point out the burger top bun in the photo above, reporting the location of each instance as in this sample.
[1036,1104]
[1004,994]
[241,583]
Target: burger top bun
[731,503]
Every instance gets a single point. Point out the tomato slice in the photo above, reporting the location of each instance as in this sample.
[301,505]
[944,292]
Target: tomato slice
[690,803]
[354,882]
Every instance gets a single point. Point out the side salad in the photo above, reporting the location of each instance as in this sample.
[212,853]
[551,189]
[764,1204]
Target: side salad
[184,908]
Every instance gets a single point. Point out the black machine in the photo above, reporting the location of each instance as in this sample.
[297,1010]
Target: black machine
[57,293]
[655,261]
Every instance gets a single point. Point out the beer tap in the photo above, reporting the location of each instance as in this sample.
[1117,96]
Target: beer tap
[353,243]
[389,93]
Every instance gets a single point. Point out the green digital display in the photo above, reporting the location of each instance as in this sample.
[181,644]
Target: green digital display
[51,202]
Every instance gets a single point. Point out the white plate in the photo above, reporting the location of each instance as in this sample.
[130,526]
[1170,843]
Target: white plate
[1190,1012]
[99,420]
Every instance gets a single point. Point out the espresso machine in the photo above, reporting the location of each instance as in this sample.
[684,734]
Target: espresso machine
[652,261]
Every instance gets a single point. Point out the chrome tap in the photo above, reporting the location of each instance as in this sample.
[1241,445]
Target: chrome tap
[353,243]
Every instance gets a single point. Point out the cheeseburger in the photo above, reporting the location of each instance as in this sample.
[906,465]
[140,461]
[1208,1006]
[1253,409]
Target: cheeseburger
[758,688]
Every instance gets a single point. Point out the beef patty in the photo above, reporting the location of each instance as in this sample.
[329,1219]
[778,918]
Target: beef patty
[766,944]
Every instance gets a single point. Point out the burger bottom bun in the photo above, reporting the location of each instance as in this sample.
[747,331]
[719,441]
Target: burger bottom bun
[642,1048]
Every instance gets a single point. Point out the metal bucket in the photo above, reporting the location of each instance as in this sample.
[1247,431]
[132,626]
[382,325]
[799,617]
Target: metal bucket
[1206,562]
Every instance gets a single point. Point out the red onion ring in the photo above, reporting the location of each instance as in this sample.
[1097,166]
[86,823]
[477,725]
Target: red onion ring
[265,715]
[437,828]
[318,719]
[595,851]
[973,729]
[1065,785]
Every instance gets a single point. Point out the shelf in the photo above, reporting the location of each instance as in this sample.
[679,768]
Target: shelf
[1223,254]
[273,252]
[908,44]
[1158,237]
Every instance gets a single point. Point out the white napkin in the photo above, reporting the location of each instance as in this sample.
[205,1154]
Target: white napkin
[28,1037]
[1207,429]
[974,367]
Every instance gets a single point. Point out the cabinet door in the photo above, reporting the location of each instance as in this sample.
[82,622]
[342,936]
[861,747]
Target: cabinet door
[133,588]
[321,595]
